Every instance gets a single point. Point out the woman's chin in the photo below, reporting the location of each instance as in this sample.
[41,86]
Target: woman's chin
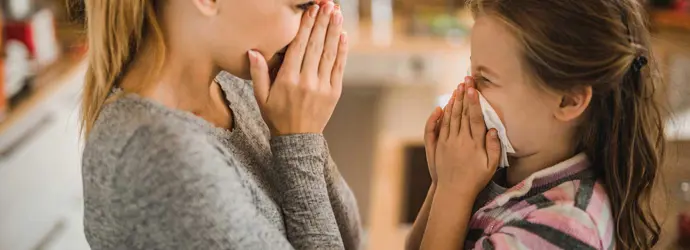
[244,71]
[274,66]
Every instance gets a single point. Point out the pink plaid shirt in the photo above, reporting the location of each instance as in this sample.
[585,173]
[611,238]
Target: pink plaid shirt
[560,207]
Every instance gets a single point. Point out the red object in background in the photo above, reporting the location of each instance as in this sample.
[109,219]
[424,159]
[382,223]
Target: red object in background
[3,99]
[22,32]
[684,230]
[682,5]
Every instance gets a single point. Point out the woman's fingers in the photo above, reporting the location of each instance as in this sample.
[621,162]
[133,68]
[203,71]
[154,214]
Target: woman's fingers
[260,77]
[457,110]
[330,51]
[493,149]
[316,40]
[295,53]
[340,62]
[445,122]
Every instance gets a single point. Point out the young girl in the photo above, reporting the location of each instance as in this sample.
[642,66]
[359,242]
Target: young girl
[569,81]
[177,156]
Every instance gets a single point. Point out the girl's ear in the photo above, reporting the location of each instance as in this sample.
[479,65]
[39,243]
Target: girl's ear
[573,104]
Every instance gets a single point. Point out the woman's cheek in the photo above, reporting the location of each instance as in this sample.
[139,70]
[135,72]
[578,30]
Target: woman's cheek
[287,31]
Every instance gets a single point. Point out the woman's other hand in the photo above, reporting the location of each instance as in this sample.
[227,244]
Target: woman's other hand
[466,155]
[308,86]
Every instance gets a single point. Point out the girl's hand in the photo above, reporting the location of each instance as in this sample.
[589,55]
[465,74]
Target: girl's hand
[309,83]
[466,155]
[431,131]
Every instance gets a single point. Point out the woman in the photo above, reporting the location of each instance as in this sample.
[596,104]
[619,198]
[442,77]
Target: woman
[177,155]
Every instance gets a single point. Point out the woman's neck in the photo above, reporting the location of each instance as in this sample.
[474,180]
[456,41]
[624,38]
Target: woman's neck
[183,82]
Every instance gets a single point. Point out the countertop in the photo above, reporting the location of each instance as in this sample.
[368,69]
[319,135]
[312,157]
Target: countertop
[401,40]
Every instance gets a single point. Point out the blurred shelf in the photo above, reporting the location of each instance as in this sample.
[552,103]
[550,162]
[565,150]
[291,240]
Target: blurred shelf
[19,122]
[671,19]
[678,127]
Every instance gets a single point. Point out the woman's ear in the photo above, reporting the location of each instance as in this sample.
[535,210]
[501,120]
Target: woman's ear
[207,7]
[573,104]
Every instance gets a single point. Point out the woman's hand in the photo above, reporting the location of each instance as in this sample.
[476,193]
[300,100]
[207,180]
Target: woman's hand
[309,83]
[466,155]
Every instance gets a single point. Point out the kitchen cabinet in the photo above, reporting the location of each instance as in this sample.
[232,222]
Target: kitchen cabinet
[40,177]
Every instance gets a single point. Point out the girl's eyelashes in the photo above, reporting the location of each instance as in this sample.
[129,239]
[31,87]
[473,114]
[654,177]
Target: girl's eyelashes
[306,6]
[482,80]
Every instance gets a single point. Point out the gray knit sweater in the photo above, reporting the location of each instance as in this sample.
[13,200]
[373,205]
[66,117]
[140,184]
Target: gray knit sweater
[158,178]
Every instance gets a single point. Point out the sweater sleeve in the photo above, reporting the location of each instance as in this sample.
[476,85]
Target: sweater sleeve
[300,162]
[555,227]
[180,192]
[344,207]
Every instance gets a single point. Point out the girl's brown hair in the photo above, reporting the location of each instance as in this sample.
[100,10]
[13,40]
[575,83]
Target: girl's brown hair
[116,30]
[570,44]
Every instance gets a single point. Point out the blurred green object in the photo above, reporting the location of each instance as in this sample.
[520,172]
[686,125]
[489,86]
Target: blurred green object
[434,23]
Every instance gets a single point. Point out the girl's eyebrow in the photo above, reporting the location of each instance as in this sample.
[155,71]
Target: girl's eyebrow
[482,68]
[486,70]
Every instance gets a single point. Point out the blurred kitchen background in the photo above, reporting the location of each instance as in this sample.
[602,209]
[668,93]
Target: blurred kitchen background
[404,54]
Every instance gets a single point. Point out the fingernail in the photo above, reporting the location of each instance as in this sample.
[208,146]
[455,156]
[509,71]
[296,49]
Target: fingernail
[328,8]
[314,10]
[493,133]
[343,37]
[252,56]
[337,17]
[471,92]
[337,6]
[468,79]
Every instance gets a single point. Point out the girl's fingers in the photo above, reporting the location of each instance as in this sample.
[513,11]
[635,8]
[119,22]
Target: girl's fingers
[431,134]
[465,129]
[431,125]
[457,110]
[477,125]
[312,58]
[292,64]
[330,51]
[445,123]
[437,128]
[493,149]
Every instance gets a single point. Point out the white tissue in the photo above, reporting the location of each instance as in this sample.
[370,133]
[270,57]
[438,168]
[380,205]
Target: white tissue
[491,120]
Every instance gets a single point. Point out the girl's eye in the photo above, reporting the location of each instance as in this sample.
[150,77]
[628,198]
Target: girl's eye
[305,6]
[482,80]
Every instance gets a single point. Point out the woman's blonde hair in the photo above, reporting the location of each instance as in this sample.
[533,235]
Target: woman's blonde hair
[116,30]
[602,44]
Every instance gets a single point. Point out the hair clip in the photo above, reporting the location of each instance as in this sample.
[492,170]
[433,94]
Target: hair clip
[639,63]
